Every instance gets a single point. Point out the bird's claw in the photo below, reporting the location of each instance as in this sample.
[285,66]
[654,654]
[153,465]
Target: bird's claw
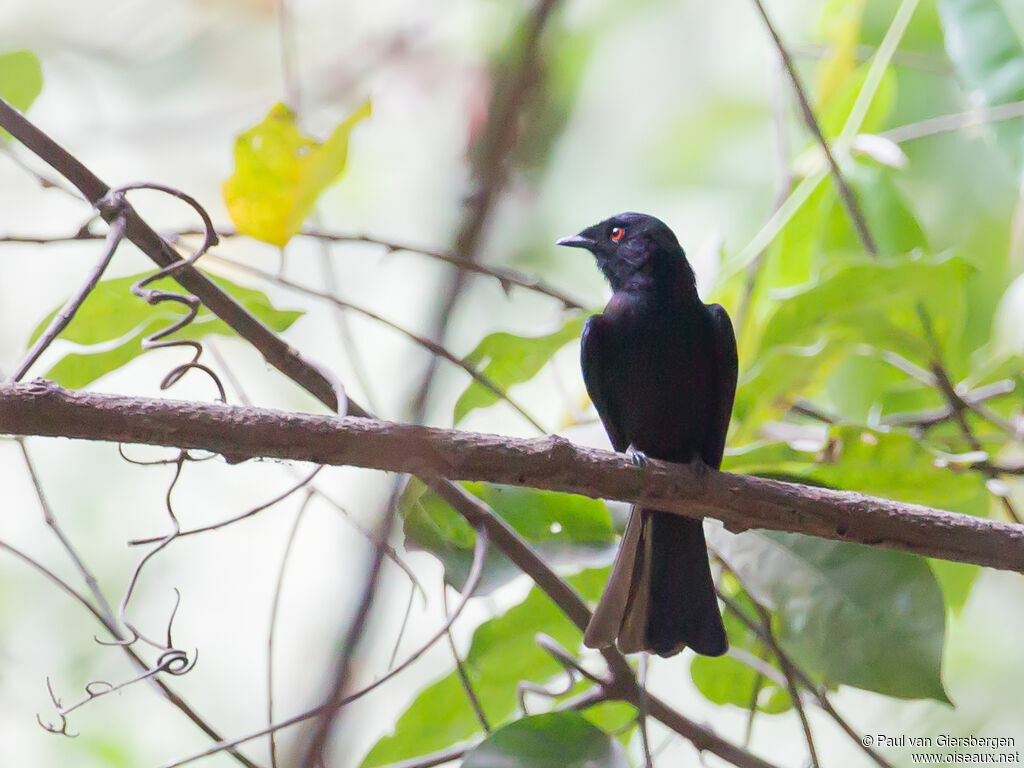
[698,466]
[638,457]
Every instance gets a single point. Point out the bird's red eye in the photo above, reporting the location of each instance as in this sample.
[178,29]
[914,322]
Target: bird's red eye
[616,234]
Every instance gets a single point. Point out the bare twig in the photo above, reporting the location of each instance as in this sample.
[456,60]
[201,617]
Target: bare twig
[460,667]
[504,275]
[67,312]
[957,404]
[930,418]
[641,711]
[433,347]
[276,352]
[846,194]
[957,122]
[242,516]
[341,321]
[169,693]
[476,570]
[497,140]
[926,62]
[51,520]
[793,673]
[314,753]
[272,629]
[794,695]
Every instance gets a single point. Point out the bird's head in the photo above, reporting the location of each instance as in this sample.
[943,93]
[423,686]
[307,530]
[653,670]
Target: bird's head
[635,251]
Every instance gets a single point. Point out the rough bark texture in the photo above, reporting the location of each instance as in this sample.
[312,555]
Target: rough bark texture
[553,463]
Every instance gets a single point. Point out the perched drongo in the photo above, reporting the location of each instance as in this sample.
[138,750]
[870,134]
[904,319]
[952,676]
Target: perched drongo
[660,366]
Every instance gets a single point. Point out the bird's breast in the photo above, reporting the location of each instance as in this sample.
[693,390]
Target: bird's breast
[663,358]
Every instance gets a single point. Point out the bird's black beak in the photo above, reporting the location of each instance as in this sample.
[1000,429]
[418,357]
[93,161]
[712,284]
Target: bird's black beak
[577,241]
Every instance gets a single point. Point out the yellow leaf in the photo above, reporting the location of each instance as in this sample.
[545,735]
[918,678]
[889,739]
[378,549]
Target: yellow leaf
[280,173]
[841,25]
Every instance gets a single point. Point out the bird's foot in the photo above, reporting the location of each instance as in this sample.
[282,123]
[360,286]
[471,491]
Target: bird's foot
[638,457]
[697,465]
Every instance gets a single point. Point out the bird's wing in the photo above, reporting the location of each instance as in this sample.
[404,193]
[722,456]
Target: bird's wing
[600,378]
[726,368]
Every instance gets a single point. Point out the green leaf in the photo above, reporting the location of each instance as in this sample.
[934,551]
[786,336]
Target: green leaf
[725,680]
[895,466]
[840,24]
[892,223]
[986,45]
[552,740]
[503,652]
[21,78]
[115,322]
[850,614]
[565,529]
[956,580]
[873,302]
[835,116]
[892,464]
[507,359]
[612,717]
[280,173]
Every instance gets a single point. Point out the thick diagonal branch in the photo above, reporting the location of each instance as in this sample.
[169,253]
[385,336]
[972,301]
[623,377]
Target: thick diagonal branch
[552,463]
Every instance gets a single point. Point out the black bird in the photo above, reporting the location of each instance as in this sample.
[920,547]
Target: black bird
[660,367]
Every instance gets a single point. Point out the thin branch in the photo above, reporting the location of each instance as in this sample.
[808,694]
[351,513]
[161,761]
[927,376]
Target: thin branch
[504,275]
[67,312]
[434,758]
[752,710]
[932,417]
[926,62]
[583,701]
[956,122]
[432,347]
[472,581]
[846,194]
[236,518]
[169,693]
[957,404]
[798,705]
[490,153]
[347,339]
[51,520]
[641,711]
[274,350]
[314,754]
[274,609]
[460,667]
[551,463]
[793,672]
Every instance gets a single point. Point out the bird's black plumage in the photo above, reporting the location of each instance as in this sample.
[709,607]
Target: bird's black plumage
[660,367]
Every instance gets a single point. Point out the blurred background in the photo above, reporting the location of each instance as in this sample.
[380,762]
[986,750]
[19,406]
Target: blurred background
[671,107]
